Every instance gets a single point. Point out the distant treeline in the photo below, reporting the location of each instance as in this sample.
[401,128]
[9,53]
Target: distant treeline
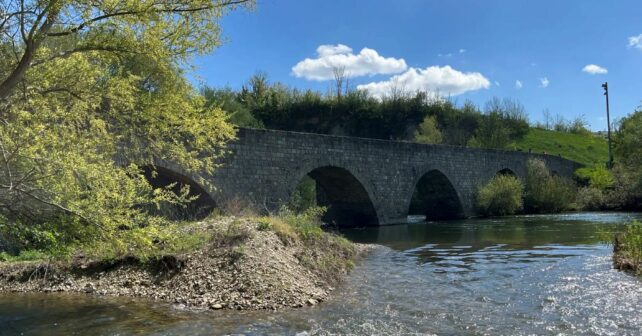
[400,116]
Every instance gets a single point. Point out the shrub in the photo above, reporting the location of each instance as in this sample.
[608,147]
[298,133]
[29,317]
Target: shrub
[629,243]
[501,196]
[626,191]
[289,225]
[545,192]
[589,198]
[307,225]
[597,177]
[304,195]
[264,224]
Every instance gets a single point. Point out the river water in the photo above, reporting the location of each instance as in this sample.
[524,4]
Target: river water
[526,275]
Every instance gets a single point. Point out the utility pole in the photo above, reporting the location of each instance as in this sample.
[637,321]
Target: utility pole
[608,120]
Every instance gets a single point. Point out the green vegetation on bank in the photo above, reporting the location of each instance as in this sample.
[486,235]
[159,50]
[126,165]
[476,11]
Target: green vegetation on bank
[628,248]
[540,192]
[588,149]
[300,235]
[503,195]
[626,189]
[545,192]
[306,227]
[86,108]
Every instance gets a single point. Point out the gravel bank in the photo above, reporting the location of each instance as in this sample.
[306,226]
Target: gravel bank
[254,270]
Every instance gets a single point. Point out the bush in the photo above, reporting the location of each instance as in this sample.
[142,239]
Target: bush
[545,193]
[589,198]
[307,225]
[501,196]
[304,195]
[629,244]
[597,177]
[626,191]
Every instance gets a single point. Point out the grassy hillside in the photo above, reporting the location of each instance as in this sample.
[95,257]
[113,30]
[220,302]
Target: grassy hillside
[587,149]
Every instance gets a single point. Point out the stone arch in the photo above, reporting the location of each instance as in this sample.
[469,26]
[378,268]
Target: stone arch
[435,197]
[201,207]
[348,199]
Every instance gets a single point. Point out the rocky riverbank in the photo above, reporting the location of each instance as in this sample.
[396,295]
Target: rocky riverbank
[248,264]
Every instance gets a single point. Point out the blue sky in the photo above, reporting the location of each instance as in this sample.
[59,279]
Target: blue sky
[470,49]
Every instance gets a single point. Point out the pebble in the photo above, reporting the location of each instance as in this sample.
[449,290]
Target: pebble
[266,280]
[90,288]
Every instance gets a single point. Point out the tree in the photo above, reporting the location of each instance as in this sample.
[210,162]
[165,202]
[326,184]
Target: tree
[89,93]
[340,79]
[627,142]
[228,100]
[547,119]
[492,132]
[545,192]
[427,132]
[504,120]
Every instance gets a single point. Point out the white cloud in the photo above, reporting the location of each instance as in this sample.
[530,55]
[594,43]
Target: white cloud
[461,51]
[445,55]
[518,84]
[329,57]
[329,50]
[543,82]
[441,80]
[636,41]
[595,69]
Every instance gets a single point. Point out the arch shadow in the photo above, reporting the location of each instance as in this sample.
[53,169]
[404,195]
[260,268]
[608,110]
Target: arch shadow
[506,171]
[348,202]
[199,208]
[435,198]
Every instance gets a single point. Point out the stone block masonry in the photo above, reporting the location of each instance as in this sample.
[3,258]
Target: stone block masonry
[361,176]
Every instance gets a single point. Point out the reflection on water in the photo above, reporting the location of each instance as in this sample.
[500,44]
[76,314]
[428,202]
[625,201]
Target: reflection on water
[518,276]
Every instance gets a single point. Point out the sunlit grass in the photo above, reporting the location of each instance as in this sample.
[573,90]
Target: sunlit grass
[589,149]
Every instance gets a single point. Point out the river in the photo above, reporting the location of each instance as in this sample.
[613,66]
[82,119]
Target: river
[524,275]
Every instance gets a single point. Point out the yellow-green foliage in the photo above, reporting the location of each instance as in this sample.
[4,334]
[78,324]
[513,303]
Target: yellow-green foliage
[598,177]
[630,242]
[26,255]
[93,105]
[501,196]
[427,132]
[147,243]
[290,226]
[544,192]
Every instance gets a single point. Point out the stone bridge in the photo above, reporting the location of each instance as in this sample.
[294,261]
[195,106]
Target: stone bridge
[362,181]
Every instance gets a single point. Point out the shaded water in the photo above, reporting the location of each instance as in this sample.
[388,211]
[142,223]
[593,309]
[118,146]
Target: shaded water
[544,275]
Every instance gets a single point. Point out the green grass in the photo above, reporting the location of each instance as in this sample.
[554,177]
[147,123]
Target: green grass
[590,150]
